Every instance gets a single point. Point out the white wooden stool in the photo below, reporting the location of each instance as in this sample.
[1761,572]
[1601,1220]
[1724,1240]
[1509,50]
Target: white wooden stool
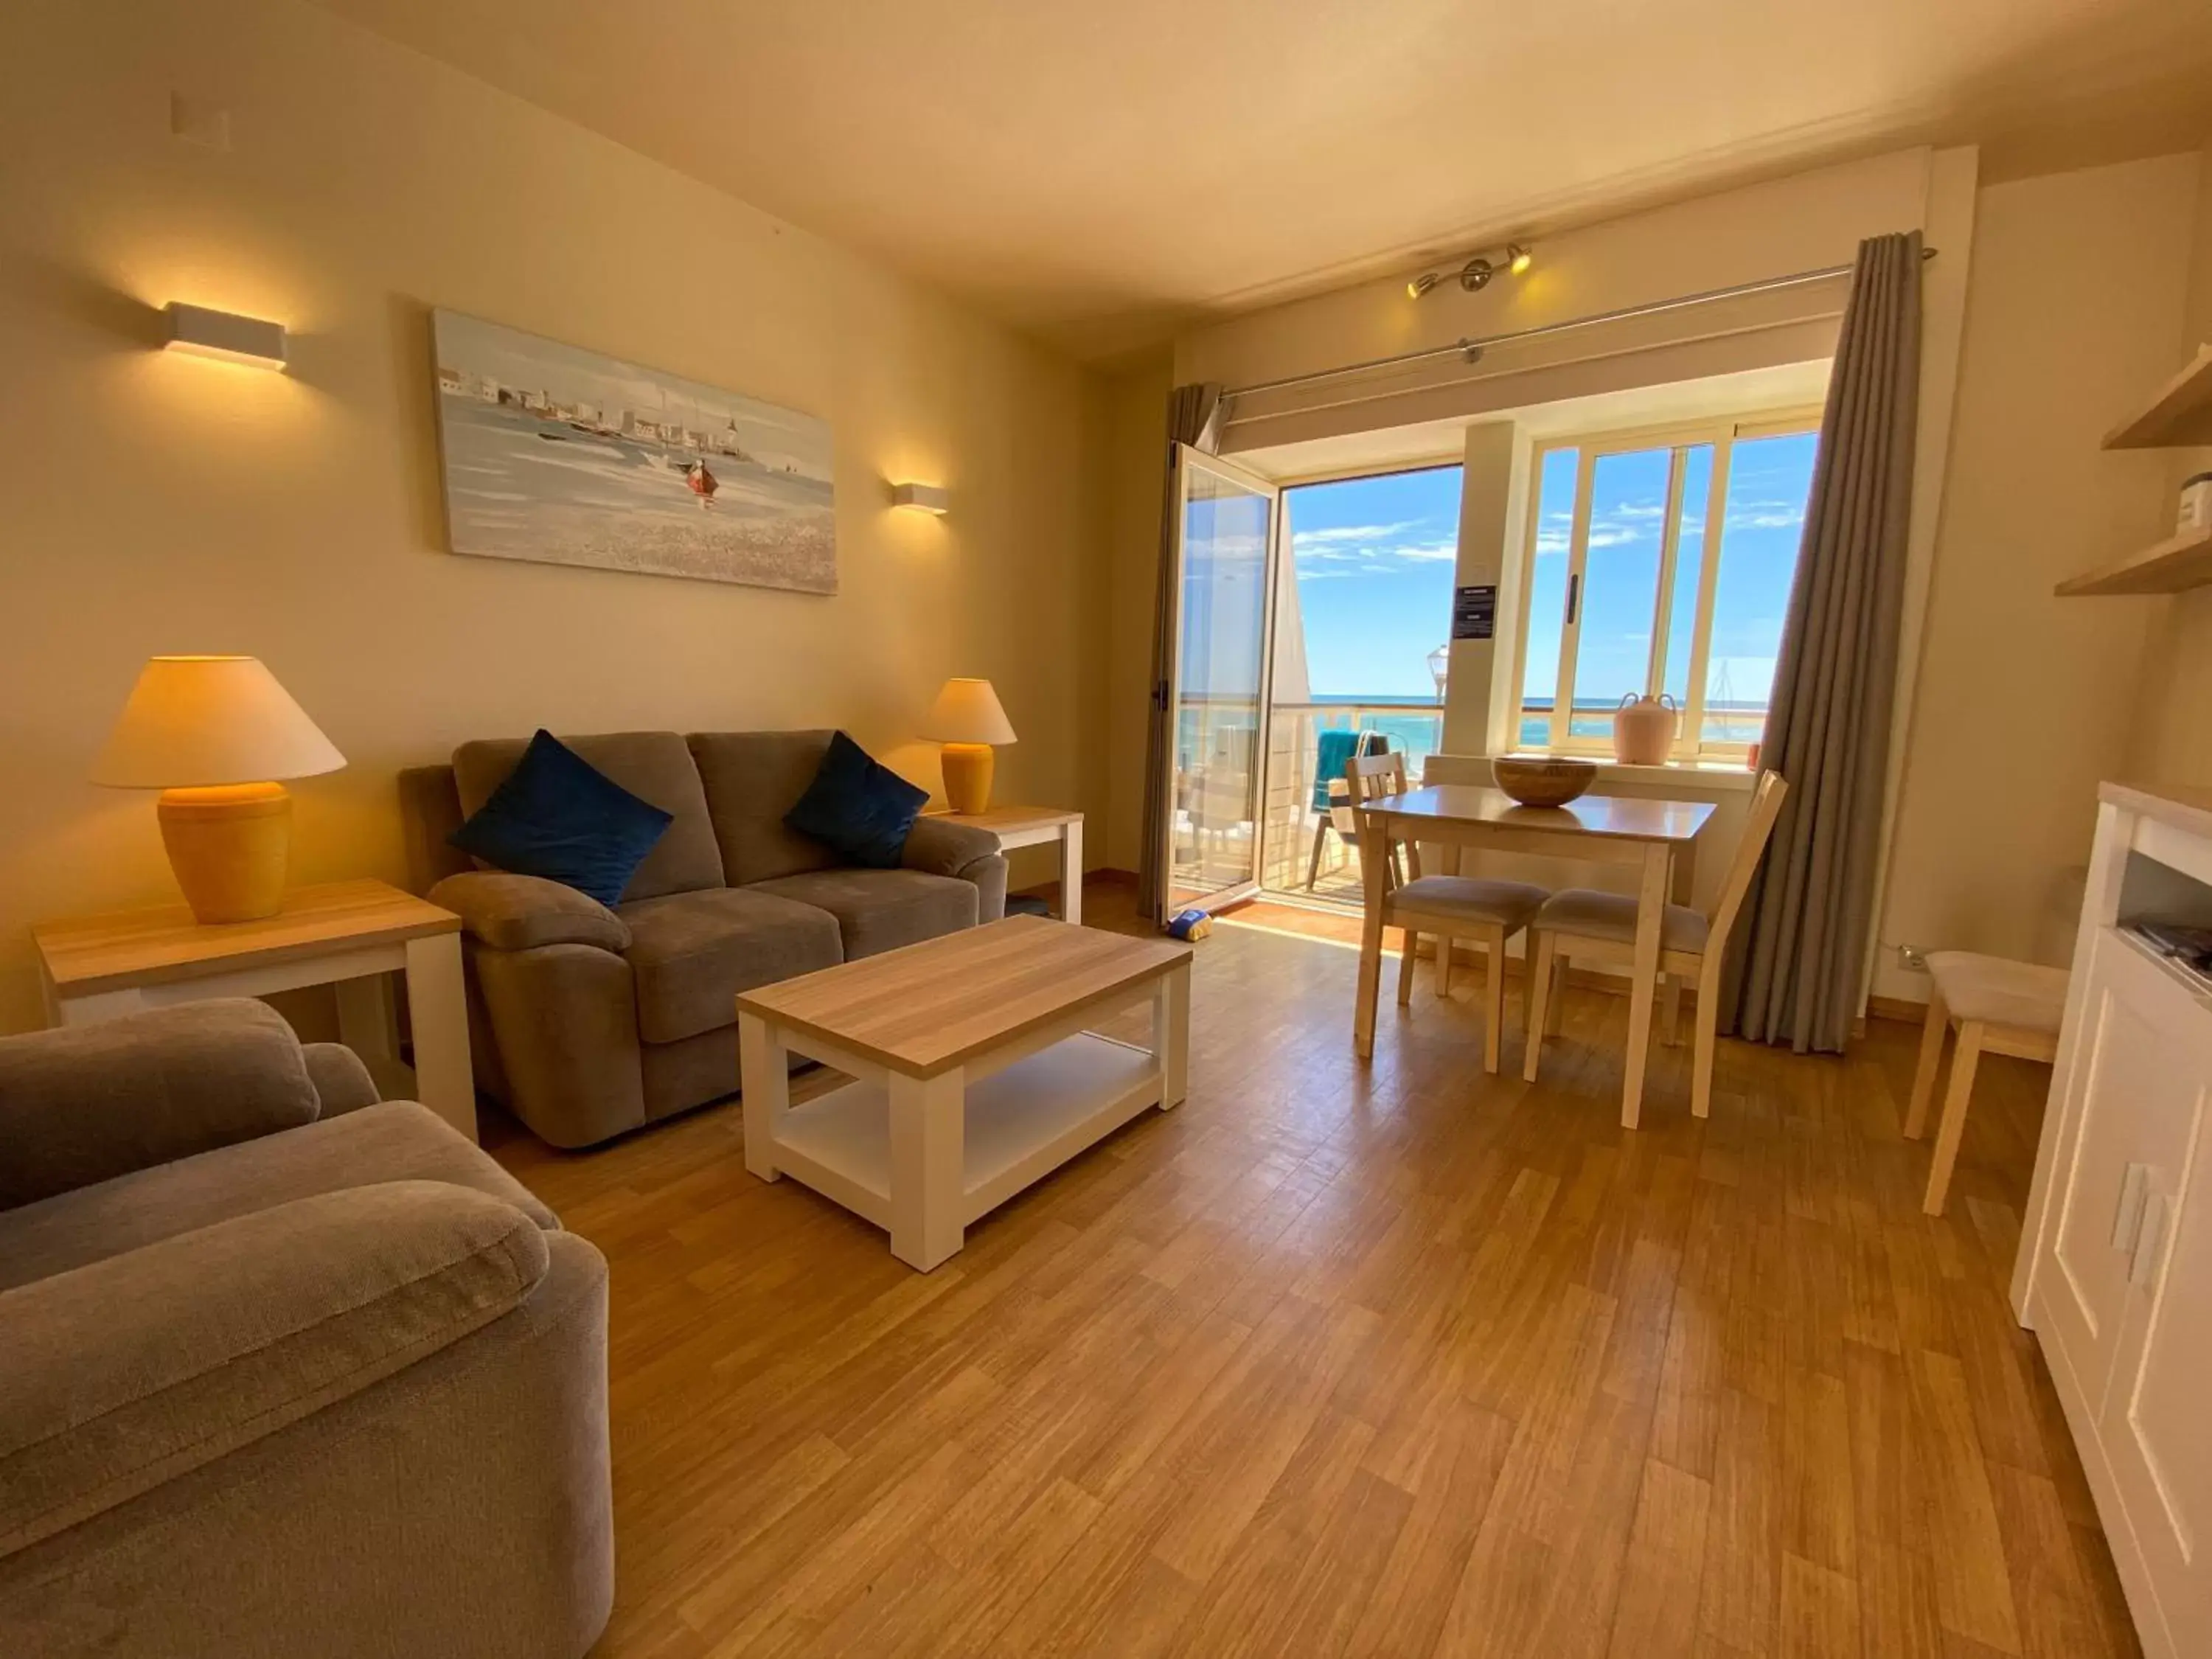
[2001,1007]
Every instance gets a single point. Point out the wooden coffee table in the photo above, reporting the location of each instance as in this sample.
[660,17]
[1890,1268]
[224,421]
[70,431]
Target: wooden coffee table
[975,1074]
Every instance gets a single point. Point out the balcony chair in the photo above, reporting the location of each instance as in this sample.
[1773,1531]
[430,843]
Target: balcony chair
[1331,798]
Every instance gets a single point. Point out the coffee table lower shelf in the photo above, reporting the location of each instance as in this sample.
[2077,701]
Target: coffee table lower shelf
[1019,1124]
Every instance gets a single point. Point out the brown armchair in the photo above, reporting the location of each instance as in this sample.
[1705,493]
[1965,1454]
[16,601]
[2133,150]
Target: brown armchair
[289,1369]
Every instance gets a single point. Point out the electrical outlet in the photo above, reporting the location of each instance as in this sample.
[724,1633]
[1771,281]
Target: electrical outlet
[1913,958]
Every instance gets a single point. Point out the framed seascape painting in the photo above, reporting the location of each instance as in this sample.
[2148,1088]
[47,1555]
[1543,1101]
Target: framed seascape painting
[562,455]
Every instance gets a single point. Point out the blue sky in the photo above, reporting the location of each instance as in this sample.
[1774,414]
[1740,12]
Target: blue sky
[1373,559]
[1375,563]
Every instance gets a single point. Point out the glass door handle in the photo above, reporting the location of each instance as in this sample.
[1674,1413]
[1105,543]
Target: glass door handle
[1574,595]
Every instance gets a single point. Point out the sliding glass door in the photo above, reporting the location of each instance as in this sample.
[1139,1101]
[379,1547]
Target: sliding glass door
[1224,554]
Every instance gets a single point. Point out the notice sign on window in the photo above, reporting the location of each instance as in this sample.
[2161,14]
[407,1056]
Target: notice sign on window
[1475,612]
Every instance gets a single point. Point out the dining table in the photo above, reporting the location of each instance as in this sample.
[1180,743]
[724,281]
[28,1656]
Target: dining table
[1657,839]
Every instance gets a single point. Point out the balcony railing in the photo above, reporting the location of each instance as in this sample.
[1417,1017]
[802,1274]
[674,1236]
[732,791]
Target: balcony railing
[1294,826]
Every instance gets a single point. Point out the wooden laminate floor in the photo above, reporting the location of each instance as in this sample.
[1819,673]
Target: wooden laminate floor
[1396,1360]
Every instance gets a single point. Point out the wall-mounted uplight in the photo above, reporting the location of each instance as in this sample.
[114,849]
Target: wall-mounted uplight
[1474,276]
[226,335]
[922,497]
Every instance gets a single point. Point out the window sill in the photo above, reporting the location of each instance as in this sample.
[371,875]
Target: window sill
[1725,774]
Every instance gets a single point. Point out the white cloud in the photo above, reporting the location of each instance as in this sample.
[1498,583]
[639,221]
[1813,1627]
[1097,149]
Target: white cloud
[1376,548]
[1349,534]
[1778,516]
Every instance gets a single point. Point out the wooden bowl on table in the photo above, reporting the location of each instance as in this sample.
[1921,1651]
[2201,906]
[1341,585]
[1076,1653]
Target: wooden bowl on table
[1543,781]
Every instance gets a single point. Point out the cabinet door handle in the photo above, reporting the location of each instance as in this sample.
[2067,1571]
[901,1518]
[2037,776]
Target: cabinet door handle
[2143,1266]
[2127,1222]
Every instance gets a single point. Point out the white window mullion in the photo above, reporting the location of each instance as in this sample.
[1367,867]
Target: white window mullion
[1662,604]
[1693,736]
[1570,613]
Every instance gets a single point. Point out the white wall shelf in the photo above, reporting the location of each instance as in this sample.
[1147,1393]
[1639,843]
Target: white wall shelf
[2179,417]
[2168,567]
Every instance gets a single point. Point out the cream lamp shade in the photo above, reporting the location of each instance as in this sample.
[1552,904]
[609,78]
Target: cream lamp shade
[196,722]
[214,734]
[967,720]
[968,711]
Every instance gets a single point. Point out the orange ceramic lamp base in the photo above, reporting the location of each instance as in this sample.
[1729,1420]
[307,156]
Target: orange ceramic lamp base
[228,847]
[967,768]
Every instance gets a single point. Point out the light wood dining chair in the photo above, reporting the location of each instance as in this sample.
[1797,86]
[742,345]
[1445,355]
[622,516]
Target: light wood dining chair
[1589,926]
[1481,912]
[2000,1007]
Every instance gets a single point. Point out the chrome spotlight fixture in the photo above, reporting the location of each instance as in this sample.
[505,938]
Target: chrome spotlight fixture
[1474,276]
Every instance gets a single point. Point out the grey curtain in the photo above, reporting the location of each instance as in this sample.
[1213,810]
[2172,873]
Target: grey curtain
[1796,976]
[1193,418]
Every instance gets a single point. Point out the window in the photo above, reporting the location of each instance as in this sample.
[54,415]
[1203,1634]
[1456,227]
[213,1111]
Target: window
[1636,586]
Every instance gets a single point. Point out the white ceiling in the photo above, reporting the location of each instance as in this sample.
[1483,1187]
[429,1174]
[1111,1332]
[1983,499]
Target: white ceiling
[1103,172]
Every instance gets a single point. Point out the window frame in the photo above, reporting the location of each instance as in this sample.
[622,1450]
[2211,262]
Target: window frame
[1723,432]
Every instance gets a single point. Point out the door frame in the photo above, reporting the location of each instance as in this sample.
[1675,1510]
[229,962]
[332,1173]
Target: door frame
[1185,458]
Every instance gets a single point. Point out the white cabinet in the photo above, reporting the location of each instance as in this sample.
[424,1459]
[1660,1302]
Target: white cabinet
[2115,1274]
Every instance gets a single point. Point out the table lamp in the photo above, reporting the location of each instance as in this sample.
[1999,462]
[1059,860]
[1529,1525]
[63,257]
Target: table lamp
[967,720]
[213,734]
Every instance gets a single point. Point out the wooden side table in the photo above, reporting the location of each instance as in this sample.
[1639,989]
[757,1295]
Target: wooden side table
[1032,826]
[349,935]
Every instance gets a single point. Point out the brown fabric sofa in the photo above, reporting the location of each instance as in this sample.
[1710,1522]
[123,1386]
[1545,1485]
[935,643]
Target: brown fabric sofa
[587,1021]
[284,1369]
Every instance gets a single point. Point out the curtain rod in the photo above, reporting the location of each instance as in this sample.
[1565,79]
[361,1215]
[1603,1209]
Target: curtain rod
[1473,347]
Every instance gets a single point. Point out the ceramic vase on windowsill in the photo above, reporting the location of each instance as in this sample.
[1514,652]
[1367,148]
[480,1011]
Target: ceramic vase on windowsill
[1643,729]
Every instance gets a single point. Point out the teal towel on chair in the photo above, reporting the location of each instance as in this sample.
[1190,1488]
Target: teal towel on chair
[1337,749]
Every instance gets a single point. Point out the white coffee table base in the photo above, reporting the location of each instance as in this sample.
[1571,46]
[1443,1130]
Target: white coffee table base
[923,1157]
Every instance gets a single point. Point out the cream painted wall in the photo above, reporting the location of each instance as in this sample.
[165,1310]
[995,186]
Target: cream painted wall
[2173,730]
[1804,222]
[2024,701]
[155,502]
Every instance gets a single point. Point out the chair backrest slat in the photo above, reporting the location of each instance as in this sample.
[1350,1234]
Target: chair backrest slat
[1758,828]
[1372,777]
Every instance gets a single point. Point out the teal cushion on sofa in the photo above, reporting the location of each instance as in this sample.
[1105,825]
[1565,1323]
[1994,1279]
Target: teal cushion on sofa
[559,817]
[857,807]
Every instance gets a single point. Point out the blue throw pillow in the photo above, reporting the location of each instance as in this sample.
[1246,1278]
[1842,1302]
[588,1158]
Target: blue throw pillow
[857,808]
[559,817]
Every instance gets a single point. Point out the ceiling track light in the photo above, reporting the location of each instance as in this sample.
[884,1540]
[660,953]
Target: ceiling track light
[1474,276]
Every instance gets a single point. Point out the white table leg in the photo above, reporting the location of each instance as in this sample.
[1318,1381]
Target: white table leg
[438,1008]
[368,1023]
[1644,975]
[764,1074]
[101,1005]
[926,1161]
[1070,873]
[1171,1035]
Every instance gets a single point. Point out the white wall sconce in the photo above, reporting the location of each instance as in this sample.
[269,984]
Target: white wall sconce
[922,497]
[226,335]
